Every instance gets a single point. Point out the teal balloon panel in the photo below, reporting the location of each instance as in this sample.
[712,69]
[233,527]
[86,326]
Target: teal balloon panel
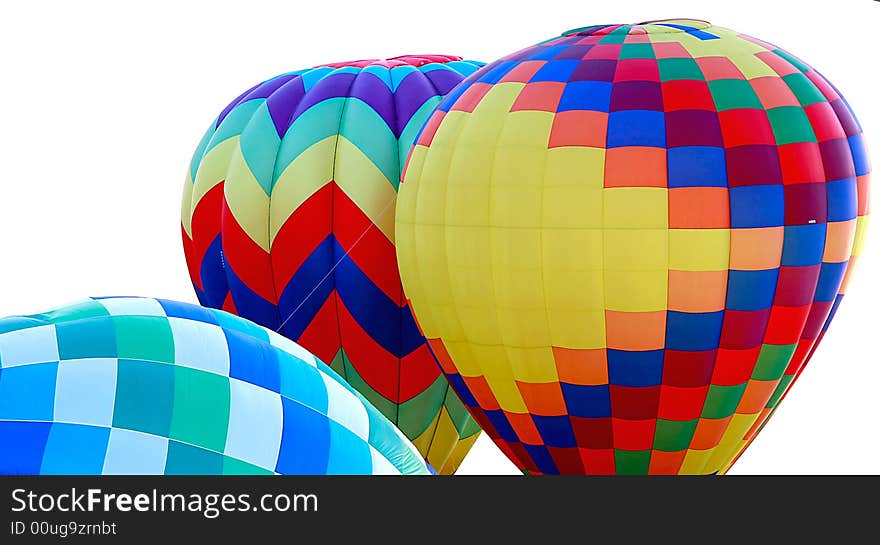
[128,385]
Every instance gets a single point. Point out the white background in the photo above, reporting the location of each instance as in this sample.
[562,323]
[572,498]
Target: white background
[101,105]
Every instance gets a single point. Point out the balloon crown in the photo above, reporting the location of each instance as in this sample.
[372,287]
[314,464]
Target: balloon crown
[663,26]
[403,60]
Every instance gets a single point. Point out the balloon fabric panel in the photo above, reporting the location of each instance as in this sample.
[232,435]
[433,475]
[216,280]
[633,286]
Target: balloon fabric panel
[624,243]
[288,220]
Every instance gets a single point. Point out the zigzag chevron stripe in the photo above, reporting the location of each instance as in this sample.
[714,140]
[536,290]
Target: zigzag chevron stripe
[288,220]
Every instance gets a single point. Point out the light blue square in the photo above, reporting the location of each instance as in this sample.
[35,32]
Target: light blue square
[135,453]
[27,392]
[85,392]
[256,418]
[132,306]
[75,450]
[344,408]
[200,345]
[302,383]
[26,346]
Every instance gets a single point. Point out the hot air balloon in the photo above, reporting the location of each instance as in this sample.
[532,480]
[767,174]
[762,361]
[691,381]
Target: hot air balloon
[622,243]
[130,385]
[288,216]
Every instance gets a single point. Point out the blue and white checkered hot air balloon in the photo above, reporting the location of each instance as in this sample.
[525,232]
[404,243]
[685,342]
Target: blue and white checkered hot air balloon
[129,385]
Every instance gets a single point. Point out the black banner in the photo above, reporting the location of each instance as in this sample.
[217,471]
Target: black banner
[418,510]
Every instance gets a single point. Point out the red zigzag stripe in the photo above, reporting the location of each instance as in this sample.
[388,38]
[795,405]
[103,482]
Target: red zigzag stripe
[309,225]
[396,380]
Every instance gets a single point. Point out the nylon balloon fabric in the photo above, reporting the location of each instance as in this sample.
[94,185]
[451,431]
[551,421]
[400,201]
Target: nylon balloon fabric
[288,220]
[130,385]
[625,242]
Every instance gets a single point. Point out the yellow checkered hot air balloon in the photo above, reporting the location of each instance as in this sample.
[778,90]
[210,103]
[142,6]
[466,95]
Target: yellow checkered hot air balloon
[625,242]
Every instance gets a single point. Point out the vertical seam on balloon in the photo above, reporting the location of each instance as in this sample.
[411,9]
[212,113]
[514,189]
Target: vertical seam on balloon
[277,305]
[443,403]
[726,288]
[490,184]
[398,404]
[727,278]
[605,288]
[651,449]
[549,346]
[437,422]
[504,345]
[738,45]
[333,189]
[332,219]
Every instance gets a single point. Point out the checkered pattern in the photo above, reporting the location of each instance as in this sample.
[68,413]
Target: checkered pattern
[129,385]
[623,243]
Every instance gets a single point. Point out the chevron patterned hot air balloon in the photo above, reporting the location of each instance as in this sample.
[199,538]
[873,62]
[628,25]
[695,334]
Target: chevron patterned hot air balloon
[288,220]
[624,243]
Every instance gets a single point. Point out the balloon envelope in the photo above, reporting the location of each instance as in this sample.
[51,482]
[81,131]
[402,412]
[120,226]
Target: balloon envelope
[288,216]
[624,242]
[130,385]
